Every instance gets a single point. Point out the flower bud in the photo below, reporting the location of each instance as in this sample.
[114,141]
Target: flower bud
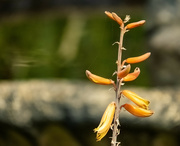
[117,18]
[141,102]
[106,121]
[138,59]
[135,24]
[137,111]
[109,14]
[124,72]
[132,76]
[98,80]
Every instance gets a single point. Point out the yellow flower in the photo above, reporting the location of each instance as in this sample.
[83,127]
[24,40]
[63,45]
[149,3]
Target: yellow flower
[137,111]
[106,121]
[141,102]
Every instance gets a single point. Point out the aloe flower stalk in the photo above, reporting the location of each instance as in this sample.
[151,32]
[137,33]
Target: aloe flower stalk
[110,118]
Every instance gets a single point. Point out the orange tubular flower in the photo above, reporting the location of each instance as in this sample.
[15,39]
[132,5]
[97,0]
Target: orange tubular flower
[132,76]
[141,102]
[106,121]
[114,17]
[98,80]
[137,111]
[117,18]
[135,24]
[124,72]
[138,59]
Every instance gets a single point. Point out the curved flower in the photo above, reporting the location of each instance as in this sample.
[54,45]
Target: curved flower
[124,72]
[98,80]
[105,122]
[137,111]
[132,76]
[138,59]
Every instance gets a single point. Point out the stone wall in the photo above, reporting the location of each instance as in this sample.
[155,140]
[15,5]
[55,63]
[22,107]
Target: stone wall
[25,102]
[38,112]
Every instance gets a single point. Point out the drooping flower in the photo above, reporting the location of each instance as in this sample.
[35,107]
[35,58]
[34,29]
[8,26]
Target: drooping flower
[139,101]
[106,121]
[132,76]
[137,111]
[124,72]
[98,80]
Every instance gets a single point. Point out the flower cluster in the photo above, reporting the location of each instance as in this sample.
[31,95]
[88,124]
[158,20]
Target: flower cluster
[124,74]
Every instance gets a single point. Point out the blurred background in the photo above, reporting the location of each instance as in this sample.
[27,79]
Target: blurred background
[45,48]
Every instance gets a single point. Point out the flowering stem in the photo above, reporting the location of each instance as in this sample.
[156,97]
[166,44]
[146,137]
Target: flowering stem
[116,124]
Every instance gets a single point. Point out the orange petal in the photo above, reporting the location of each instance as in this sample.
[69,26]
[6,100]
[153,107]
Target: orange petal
[117,18]
[124,72]
[97,79]
[138,58]
[135,24]
[132,76]
[137,111]
[141,102]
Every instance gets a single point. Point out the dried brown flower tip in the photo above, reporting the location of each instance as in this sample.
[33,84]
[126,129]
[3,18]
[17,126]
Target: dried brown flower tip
[138,59]
[124,72]
[98,80]
[109,14]
[135,24]
[127,18]
[117,18]
[132,76]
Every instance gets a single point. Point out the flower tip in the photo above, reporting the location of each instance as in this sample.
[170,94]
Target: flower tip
[143,21]
[95,130]
[88,73]
[106,12]
[148,54]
